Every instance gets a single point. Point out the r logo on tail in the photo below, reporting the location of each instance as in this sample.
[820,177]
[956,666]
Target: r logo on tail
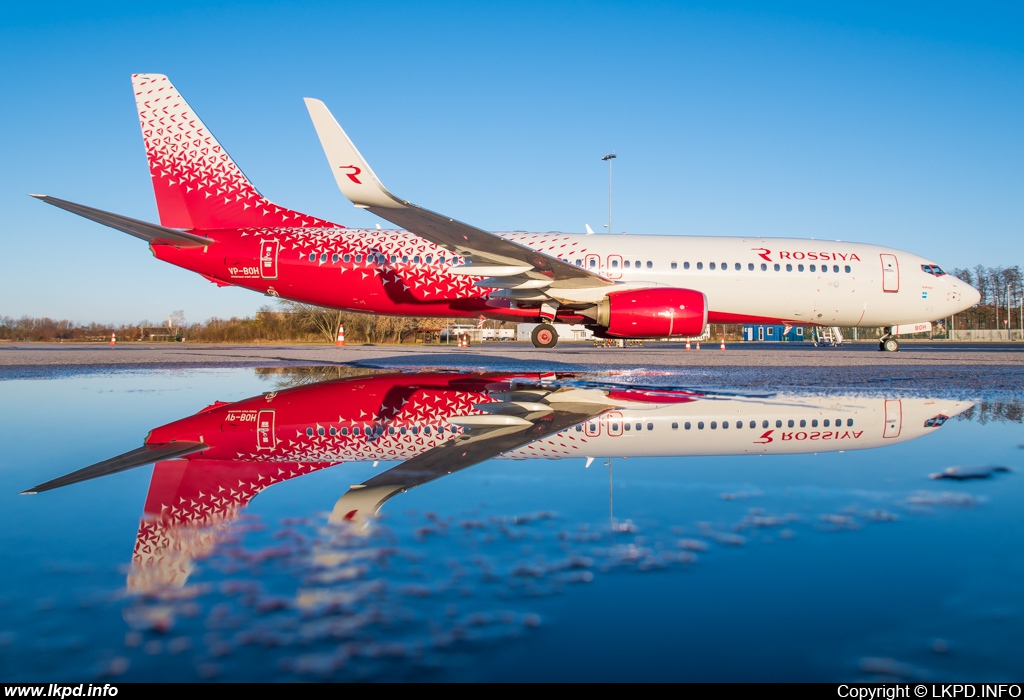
[352,175]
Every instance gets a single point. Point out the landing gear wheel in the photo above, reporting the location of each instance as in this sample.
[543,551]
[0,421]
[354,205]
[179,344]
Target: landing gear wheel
[544,336]
[889,345]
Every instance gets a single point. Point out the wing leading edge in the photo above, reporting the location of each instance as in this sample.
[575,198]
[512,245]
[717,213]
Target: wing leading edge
[493,255]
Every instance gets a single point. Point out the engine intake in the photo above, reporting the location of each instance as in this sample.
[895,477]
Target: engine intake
[651,313]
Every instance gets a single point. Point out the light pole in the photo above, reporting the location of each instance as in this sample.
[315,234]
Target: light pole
[610,157]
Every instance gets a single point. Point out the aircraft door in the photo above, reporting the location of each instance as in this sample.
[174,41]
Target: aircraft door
[266,438]
[890,273]
[893,419]
[268,259]
[614,421]
[614,270]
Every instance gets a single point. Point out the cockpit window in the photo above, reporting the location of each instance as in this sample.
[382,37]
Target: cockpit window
[933,270]
[936,421]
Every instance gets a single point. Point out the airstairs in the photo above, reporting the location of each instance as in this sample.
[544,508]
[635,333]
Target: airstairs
[827,337]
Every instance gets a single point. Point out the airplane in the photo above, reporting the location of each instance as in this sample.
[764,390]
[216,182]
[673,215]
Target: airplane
[214,222]
[210,465]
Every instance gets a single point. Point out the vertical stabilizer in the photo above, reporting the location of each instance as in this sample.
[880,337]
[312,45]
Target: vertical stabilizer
[197,185]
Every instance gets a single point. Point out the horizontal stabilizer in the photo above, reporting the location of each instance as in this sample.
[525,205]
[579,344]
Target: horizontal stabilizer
[133,227]
[146,454]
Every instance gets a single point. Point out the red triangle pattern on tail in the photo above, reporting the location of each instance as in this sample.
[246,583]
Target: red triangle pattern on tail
[196,183]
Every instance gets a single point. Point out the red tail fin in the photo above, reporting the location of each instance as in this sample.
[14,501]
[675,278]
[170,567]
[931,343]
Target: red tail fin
[196,183]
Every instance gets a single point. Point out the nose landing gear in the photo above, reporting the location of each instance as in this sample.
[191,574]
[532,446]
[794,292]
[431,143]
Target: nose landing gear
[888,342]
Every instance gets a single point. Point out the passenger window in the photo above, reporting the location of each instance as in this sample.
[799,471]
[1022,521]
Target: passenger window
[626,264]
[725,425]
[309,432]
[405,258]
[628,427]
[637,264]
[847,269]
[320,432]
[312,257]
[778,424]
[711,266]
[753,424]
[764,424]
[714,425]
[675,426]
[803,423]
[344,431]
[826,422]
[649,264]
[835,268]
[739,424]
[615,264]
[849,422]
[725,266]
[674,265]
[333,431]
[346,257]
[777,267]
[700,266]
[334,258]
[355,431]
[750,266]
[686,266]
[700,425]
[764,266]
[789,268]
[738,267]
[416,259]
[323,257]
[814,423]
[359,257]
[799,268]
[650,426]
[791,423]
[687,425]
[440,260]
[429,258]
[593,262]
[812,268]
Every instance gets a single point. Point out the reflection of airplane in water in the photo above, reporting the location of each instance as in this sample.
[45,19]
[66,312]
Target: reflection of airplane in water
[209,465]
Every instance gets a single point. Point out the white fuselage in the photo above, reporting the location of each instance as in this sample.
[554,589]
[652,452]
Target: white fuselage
[800,281]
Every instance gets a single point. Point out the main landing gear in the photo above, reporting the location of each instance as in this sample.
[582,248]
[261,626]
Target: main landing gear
[544,336]
[888,342]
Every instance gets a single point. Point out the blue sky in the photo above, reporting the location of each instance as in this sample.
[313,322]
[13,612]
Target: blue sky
[900,124]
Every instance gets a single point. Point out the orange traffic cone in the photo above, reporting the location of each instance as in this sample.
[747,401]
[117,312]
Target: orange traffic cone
[722,347]
[698,345]
[687,344]
[113,339]
[340,342]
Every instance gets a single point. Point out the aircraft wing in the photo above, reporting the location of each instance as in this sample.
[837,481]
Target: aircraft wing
[491,255]
[476,445]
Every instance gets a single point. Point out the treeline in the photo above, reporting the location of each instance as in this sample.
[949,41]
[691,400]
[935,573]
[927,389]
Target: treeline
[289,322]
[1000,287]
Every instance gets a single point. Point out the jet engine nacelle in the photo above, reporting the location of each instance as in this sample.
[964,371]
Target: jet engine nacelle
[652,313]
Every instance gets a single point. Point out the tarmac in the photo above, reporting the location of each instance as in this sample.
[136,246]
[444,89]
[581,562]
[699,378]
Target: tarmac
[962,369]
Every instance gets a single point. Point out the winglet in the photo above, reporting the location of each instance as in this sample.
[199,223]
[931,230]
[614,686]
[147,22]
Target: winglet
[352,173]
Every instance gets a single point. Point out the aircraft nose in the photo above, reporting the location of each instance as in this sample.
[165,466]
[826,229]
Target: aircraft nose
[971,295]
